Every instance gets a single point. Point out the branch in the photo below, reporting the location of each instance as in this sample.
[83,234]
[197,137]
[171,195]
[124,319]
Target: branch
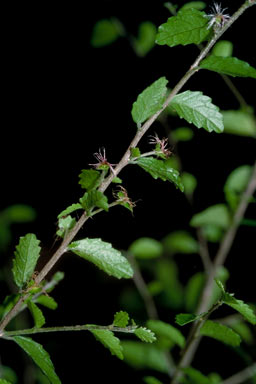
[242,376]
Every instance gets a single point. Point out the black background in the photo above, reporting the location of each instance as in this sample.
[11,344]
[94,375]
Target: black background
[61,101]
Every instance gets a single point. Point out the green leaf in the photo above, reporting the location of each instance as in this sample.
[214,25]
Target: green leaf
[117,180]
[19,213]
[229,66]
[167,331]
[212,233]
[180,242]
[36,313]
[188,27]
[244,331]
[217,215]
[149,101]
[144,356]
[223,48]
[39,355]
[26,256]
[46,301]
[215,378]
[248,222]
[235,185]
[146,38]
[182,134]
[89,179]
[110,341]
[199,5]
[8,374]
[193,291]
[220,332]
[195,376]
[241,307]
[135,152]
[159,169]
[151,380]
[93,199]
[185,318]
[65,224]
[190,183]
[2,381]
[103,256]
[70,209]
[146,248]
[145,334]
[105,32]
[121,319]
[198,109]
[239,122]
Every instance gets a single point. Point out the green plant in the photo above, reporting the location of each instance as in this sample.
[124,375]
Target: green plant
[218,223]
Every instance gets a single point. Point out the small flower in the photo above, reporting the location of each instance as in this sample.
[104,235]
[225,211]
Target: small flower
[103,163]
[161,145]
[123,198]
[217,18]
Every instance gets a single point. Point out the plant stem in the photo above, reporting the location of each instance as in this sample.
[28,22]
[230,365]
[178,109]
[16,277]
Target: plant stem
[123,162]
[242,376]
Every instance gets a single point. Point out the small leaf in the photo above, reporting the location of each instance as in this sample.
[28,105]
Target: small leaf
[65,224]
[159,169]
[151,380]
[241,307]
[70,209]
[182,134]
[193,291]
[105,32]
[195,376]
[19,213]
[188,27]
[229,66]
[217,215]
[149,101]
[240,123]
[235,185]
[93,199]
[220,332]
[223,48]
[3,381]
[198,109]
[46,301]
[109,341]
[36,313]
[168,274]
[146,248]
[199,5]
[121,319]
[146,38]
[190,183]
[167,331]
[39,355]
[185,318]
[103,256]
[135,152]
[26,256]
[180,242]
[117,180]
[89,179]
[145,334]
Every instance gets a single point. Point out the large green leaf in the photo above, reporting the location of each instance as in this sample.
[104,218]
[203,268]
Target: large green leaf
[167,331]
[103,256]
[241,307]
[229,66]
[146,38]
[146,248]
[26,256]
[159,169]
[149,101]
[188,27]
[240,123]
[220,332]
[39,355]
[198,109]
[236,184]
[217,215]
[110,341]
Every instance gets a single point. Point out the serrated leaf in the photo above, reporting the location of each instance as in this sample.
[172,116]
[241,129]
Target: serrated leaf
[105,32]
[185,318]
[110,341]
[198,109]
[121,319]
[103,256]
[167,331]
[141,355]
[241,307]
[93,199]
[180,242]
[220,332]
[229,66]
[217,215]
[146,248]
[235,185]
[26,256]
[223,48]
[146,38]
[159,169]
[151,380]
[70,209]
[195,376]
[145,334]
[65,224]
[36,313]
[149,101]
[239,122]
[188,27]
[46,301]
[39,355]
[89,179]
